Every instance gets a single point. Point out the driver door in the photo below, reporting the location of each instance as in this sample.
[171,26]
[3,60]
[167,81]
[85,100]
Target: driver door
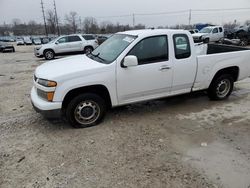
[62,45]
[152,77]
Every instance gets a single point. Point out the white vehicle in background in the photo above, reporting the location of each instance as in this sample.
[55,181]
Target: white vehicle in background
[37,41]
[209,34]
[19,41]
[27,41]
[67,45]
[193,31]
[125,70]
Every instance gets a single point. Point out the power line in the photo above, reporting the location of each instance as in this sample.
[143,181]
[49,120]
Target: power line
[227,9]
[162,13]
[174,12]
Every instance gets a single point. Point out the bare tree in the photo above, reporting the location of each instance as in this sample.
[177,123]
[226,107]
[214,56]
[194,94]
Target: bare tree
[90,25]
[16,21]
[247,22]
[72,19]
[51,21]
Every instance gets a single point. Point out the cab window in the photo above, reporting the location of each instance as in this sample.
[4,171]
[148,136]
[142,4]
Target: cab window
[215,30]
[151,50]
[63,40]
[181,46]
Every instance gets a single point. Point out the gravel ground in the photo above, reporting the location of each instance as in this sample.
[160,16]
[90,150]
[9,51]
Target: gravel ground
[185,141]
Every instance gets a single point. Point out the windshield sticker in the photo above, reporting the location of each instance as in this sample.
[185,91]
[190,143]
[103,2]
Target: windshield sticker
[129,39]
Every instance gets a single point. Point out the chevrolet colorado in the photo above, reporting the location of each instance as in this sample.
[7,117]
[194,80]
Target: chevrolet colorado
[135,66]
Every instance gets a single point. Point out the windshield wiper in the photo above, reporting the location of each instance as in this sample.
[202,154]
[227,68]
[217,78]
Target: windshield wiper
[98,56]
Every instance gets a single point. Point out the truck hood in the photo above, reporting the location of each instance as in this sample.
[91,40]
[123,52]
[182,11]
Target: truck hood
[60,68]
[197,35]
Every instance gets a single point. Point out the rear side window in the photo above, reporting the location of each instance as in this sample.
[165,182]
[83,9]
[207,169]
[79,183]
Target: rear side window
[151,50]
[181,46]
[88,37]
[220,29]
[74,38]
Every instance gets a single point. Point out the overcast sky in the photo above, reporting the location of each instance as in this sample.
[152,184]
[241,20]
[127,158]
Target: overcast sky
[31,10]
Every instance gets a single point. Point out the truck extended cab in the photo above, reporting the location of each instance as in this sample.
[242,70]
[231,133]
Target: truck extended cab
[135,66]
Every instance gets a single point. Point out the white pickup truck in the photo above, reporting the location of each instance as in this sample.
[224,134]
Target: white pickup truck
[209,34]
[135,66]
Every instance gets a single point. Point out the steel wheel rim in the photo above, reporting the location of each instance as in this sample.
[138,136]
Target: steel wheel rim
[49,55]
[87,112]
[223,88]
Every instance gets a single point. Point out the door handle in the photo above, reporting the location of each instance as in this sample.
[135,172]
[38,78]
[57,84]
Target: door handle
[165,68]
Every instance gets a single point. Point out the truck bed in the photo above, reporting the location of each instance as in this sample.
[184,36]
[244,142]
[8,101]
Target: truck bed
[217,58]
[220,48]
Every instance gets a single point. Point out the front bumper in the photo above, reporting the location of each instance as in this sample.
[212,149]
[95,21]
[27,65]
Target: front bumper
[198,40]
[47,109]
[38,53]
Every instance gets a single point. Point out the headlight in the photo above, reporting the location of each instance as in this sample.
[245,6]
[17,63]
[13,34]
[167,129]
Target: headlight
[38,48]
[47,83]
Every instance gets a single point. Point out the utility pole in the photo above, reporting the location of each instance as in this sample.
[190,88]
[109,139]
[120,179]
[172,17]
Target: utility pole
[45,25]
[133,20]
[57,24]
[190,17]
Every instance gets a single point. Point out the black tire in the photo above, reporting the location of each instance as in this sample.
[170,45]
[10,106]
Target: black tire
[243,42]
[221,87]
[206,41]
[49,54]
[86,110]
[88,50]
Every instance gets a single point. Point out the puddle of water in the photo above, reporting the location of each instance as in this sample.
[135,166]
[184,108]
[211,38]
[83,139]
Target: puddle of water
[222,164]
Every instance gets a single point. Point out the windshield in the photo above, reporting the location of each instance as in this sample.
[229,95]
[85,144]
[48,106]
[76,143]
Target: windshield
[206,30]
[53,40]
[108,51]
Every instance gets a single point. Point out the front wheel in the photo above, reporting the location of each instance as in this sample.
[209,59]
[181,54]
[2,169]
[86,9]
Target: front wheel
[85,110]
[243,42]
[206,40]
[49,54]
[221,87]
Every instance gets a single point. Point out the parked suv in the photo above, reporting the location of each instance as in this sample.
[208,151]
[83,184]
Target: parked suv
[209,34]
[66,45]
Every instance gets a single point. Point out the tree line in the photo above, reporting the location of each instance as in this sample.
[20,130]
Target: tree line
[71,24]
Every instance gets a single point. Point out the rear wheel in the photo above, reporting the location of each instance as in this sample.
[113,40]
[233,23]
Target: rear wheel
[49,54]
[88,49]
[221,87]
[86,110]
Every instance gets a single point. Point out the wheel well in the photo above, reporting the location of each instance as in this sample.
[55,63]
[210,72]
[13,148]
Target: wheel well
[88,47]
[48,50]
[100,90]
[233,71]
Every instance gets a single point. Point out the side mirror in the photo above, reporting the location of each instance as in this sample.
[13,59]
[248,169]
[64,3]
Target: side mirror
[129,61]
[56,42]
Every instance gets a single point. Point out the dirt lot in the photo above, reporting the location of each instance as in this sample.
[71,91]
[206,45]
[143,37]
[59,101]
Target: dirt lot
[186,141]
